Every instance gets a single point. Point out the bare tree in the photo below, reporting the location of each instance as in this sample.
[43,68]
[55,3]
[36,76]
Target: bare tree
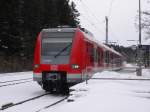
[146,22]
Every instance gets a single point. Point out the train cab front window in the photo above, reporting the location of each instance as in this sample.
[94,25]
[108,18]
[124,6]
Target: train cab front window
[56,47]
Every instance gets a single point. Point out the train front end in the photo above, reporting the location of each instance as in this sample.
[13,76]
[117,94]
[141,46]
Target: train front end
[52,60]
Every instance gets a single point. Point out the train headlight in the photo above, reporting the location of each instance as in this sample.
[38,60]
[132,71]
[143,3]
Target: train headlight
[75,66]
[36,66]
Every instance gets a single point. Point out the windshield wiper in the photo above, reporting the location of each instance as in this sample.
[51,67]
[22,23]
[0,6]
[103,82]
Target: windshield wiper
[65,48]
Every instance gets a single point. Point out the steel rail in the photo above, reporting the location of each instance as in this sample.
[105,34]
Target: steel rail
[21,102]
[55,103]
[15,80]
[11,84]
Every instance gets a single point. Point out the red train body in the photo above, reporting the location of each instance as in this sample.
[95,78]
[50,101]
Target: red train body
[64,56]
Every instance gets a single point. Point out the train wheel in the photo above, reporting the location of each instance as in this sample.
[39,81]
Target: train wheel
[65,89]
[62,88]
[44,86]
[57,87]
[48,86]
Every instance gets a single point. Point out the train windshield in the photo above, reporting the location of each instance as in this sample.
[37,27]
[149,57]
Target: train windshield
[56,47]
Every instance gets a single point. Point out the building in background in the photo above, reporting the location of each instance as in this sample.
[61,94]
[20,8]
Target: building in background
[145,55]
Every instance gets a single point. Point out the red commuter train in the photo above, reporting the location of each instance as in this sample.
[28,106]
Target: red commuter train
[64,56]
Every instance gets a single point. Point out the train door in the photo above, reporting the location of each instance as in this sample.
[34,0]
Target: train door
[87,57]
[87,60]
[100,57]
[95,56]
[84,59]
[112,59]
[107,58]
[91,54]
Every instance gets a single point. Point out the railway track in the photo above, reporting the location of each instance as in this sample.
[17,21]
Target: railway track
[11,74]
[6,106]
[9,105]
[53,104]
[15,82]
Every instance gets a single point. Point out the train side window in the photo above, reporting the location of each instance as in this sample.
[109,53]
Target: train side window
[91,54]
[102,55]
[107,56]
[99,56]
[112,58]
[87,47]
[95,55]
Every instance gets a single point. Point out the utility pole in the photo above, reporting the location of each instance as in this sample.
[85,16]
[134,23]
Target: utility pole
[140,22]
[106,30]
[139,70]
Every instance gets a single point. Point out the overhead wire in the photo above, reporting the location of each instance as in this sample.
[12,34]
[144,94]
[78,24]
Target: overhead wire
[109,16]
[91,12]
[91,15]
[110,8]
[93,25]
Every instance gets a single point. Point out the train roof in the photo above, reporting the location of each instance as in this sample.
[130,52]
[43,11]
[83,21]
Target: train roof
[90,37]
[59,29]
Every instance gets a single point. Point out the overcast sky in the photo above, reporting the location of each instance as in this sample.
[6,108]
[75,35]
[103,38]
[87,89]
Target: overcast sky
[122,17]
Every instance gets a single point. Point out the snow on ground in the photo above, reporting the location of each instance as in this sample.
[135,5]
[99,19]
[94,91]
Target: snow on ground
[24,91]
[129,65]
[16,93]
[96,96]
[35,105]
[122,75]
[19,92]
[109,95]
[15,76]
